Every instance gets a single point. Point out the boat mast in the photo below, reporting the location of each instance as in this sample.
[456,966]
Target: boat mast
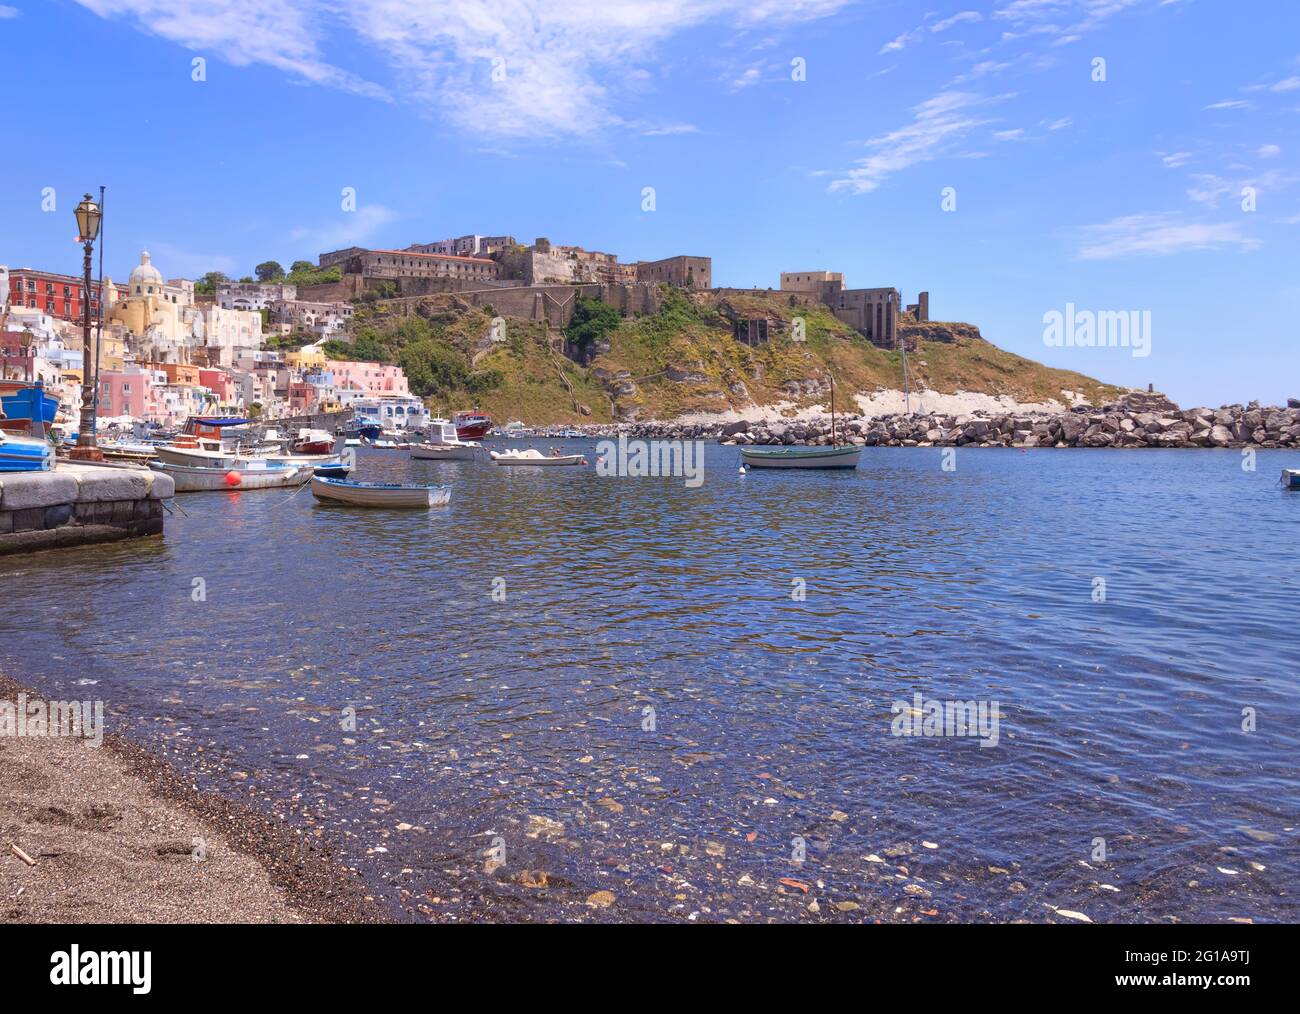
[833,444]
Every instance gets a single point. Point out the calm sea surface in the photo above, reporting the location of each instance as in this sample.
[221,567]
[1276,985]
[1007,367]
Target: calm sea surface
[684,690]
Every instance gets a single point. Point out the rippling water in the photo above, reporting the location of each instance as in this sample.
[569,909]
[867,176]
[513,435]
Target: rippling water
[522,724]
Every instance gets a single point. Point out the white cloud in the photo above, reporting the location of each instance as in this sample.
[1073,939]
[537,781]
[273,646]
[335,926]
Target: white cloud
[1159,235]
[1008,135]
[1175,159]
[1268,151]
[936,128]
[1060,124]
[1208,189]
[348,228]
[670,129]
[956,19]
[751,76]
[8,12]
[1289,84]
[1228,104]
[900,42]
[566,65]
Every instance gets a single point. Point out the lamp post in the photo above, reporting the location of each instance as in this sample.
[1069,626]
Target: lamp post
[88,216]
[27,340]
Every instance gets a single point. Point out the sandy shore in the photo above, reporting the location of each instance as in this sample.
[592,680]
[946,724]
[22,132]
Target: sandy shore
[113,831]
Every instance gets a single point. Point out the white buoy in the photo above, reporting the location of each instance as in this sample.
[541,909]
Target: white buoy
[742,469]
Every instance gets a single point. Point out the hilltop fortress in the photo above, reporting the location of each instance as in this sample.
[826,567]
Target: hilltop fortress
[539,281]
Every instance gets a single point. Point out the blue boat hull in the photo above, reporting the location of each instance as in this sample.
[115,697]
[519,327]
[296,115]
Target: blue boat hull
[19,454]
[31,404]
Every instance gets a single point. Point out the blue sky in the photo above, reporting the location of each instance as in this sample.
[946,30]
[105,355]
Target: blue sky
[1117,194]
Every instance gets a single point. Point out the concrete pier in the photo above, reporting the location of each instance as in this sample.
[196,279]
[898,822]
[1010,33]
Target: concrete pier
[75,504]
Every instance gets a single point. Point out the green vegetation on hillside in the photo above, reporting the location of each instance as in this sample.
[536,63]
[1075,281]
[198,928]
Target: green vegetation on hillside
[682,358]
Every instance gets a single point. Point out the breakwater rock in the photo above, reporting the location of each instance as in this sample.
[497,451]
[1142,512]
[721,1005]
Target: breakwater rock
[1138,420]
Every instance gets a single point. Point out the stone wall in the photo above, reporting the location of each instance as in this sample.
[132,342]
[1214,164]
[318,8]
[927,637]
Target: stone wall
[79,504]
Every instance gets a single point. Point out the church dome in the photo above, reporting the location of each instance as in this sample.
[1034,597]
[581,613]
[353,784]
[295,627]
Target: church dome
[144,274]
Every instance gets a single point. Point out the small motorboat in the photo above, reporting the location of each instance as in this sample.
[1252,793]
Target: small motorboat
[535,457]
[332,469]
[311,441]
[445,444]
[25,454]
[379,494]
[252,474]
[1291,478]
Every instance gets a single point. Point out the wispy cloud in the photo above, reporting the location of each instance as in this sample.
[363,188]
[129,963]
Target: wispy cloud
[1228,104]
[901,41]
[1159,235]
[525,69]
[8,12]
[938,125]
[670,129]
[1268,151]
[348,228]
[1175,159]
[956,19]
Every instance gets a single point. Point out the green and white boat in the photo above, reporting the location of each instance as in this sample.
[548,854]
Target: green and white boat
[837,455]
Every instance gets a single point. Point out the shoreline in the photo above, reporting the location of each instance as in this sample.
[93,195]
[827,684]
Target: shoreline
[113,831]
[1138,421]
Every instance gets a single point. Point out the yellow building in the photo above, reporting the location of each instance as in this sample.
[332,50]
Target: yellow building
[152,308]
[305,358]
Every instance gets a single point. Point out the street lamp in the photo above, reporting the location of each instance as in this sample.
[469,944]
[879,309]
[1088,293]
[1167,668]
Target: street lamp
[88,216]
[27,340]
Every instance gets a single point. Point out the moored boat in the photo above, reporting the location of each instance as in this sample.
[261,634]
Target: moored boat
[311,441]
[254,474]
[332,469]
[445,444]
[25,454]
[26,408]
[836,455]
[1291,478]
[472,425]
[841,456]
[535,457]
[379,494]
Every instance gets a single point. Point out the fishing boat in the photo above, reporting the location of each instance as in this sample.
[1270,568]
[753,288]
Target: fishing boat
[311,441]
[203,442]
[836,455]
[362,429]
[255,474]
[379,494]
[25,454]
[445,444]
[843,456]
[1291,478]
[26,408]
[535,457]
[472,425]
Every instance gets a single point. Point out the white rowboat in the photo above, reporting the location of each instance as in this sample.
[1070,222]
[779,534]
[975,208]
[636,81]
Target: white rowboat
[379,494]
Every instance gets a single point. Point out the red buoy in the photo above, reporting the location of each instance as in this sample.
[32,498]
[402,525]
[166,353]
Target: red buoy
[233,479]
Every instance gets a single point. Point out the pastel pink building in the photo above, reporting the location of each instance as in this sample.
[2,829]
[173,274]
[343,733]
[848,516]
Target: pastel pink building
[123,394]
[374,378]
[221,384]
